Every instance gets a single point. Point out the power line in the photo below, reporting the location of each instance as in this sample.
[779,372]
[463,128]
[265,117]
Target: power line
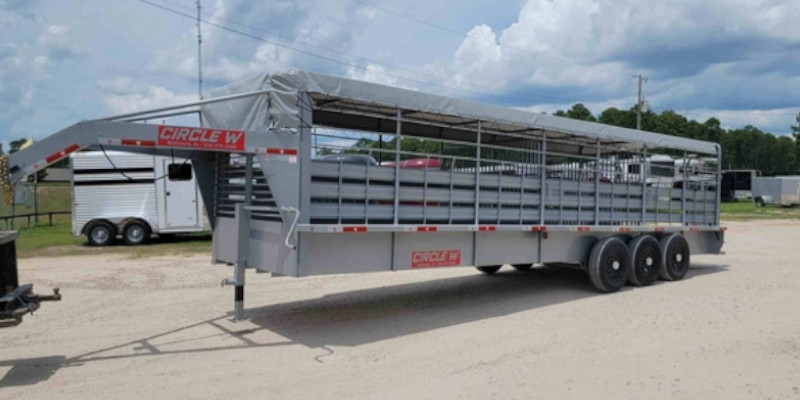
[345,63]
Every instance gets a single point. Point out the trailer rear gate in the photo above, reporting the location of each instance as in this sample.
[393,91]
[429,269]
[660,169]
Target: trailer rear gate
[508,186]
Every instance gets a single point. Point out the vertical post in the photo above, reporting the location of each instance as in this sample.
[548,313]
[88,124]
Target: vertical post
[380,149]
[719,183]
[36,197]
[639,104]
[242,249]
[543,181]
[248,179]
[199,54]
[397,139]
[425,190]
[684,188]
[478,174]
[597,170]
[643,172]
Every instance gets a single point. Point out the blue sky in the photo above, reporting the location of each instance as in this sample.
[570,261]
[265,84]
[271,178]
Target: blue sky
[739,60]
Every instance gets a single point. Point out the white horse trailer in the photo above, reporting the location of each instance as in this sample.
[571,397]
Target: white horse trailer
[274,208]
[133,196]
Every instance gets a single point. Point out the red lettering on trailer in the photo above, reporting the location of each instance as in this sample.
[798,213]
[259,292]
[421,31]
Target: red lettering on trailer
[200,138]
[139,143]
[287,152]
[61,154]
[435,258]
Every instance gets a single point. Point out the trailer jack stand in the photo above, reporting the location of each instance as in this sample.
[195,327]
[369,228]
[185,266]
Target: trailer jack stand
[238,295]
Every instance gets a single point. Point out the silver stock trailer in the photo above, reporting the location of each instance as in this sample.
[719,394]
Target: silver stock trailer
[494,185]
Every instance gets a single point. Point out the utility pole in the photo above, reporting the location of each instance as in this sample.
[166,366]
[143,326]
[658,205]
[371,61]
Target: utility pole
[639,102]
[199,53]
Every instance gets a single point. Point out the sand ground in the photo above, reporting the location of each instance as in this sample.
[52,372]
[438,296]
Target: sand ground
[158,328]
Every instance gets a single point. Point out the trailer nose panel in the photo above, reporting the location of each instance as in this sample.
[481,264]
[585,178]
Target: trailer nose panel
[266,184]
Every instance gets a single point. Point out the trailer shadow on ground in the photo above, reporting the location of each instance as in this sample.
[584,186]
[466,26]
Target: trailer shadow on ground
[351,318]
[365,316]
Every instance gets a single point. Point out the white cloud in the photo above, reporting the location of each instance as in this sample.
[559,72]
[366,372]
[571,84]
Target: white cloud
[123,95]
[372,73]
[56,43]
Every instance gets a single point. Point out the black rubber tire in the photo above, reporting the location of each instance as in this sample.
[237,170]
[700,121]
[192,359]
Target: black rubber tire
[136,233]
[759,202]
[675,257]
[100,233]
[488,270]
[609,264]
[522,267]
[645,260]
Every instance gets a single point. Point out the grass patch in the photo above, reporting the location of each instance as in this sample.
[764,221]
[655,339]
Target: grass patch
[43,240]
[57,240]
[747,210]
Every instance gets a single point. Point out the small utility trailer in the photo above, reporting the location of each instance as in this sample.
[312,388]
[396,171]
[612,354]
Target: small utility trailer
[780,190]
[507,187]
[133,196]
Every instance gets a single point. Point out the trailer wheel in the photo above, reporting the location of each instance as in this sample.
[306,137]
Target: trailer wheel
[675,257]
[136,233]
[100,233]
[760,202]
[645,260]
[488,270]
[522,267]
[609,264]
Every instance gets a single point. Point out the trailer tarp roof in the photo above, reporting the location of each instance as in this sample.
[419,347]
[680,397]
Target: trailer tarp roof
[280,108]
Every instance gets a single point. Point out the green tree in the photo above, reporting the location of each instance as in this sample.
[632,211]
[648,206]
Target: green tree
[578,111]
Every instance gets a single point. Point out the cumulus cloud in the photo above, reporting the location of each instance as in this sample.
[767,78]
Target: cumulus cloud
[720,55]
[372,73]
[327,28]
[56,44]
[124,95]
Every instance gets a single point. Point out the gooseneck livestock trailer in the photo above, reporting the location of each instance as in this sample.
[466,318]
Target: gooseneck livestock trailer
[498,185]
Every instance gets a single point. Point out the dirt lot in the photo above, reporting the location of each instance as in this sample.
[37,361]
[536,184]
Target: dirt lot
[158,328]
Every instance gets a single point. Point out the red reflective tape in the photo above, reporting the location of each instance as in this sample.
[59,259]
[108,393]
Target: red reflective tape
[354,229]
[584,229]
[140,143]
[694,229]
[723,229]
[487,228]
[538,228]
[61,154]
[288,152]
[427,229]
[659,229]
[624,229]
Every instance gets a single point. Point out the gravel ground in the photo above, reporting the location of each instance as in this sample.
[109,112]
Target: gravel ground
[159,328]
